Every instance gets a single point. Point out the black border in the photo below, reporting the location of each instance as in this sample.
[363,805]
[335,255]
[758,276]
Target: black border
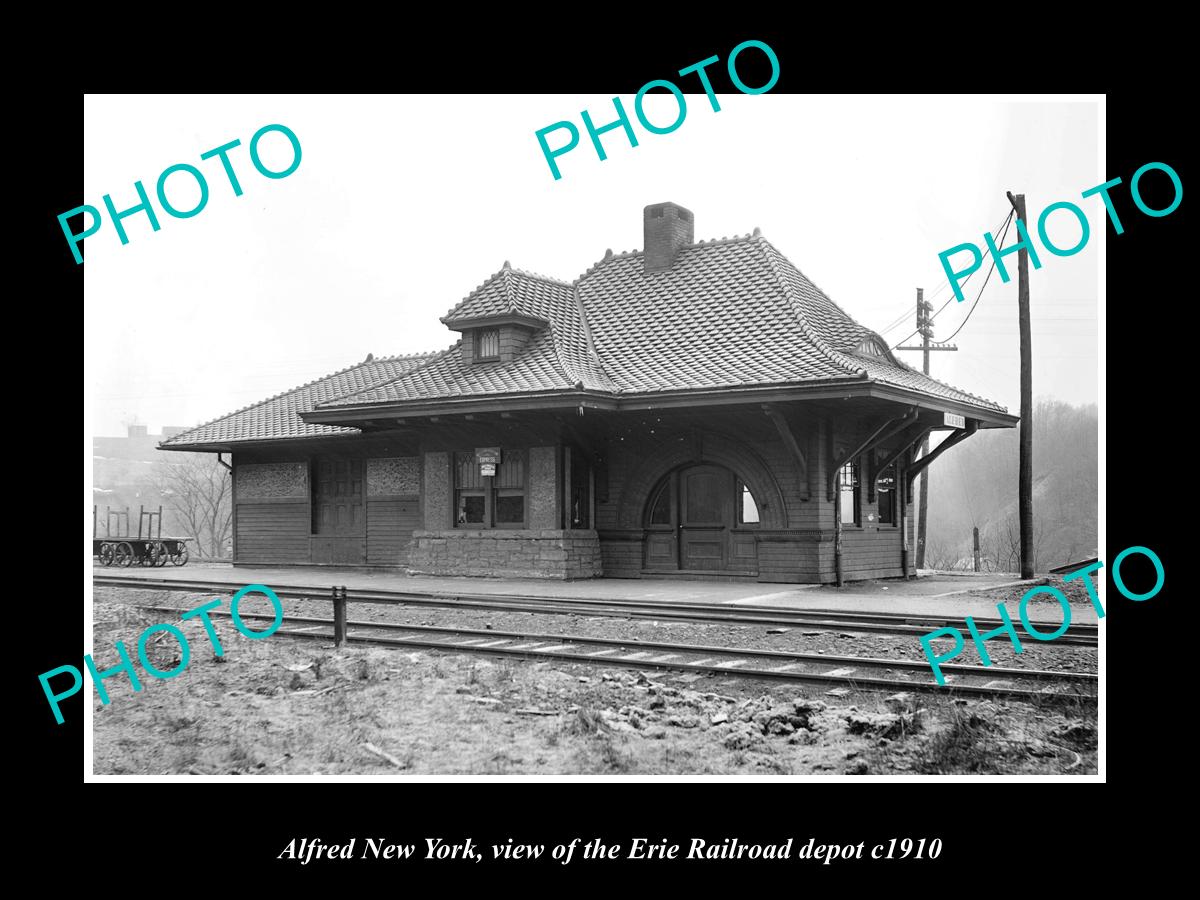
[986,830]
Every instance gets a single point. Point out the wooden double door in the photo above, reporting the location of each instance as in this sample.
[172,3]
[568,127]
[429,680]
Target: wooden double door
[692,523]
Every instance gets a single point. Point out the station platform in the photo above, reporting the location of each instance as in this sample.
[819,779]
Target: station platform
[942,593]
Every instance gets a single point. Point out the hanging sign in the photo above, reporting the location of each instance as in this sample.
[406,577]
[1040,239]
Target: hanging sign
[954,421]
[488,458]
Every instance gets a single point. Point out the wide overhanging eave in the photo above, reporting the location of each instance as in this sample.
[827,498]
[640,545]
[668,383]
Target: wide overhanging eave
[692,397]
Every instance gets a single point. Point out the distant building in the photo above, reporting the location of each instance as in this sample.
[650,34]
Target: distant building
[125,475]
[693,408]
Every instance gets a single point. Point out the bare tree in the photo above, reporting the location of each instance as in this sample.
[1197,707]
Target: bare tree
[197,490]
[941,556]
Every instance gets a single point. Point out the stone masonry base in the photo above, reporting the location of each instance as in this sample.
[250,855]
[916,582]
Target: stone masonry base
[497,551]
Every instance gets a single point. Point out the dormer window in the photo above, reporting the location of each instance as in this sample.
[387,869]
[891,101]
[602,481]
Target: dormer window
[487,344]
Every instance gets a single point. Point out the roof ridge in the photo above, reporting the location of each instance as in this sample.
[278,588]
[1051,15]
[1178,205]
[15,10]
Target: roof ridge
[433,356]
[627,254]
[833,355]
[587,338]
[839,307]
[503,272]
[479,287]
[509,299]
[560,362]
[396,356]
[539,276]
[889,359]
[731,239]
[270,399]
[817,288]
[299,387]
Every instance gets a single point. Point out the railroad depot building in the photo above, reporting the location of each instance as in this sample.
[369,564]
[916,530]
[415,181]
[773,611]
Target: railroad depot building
[695,409]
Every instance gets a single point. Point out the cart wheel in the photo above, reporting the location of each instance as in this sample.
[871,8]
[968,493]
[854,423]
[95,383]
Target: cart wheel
[180,558]
[106,554]
[163,555]
[123,554]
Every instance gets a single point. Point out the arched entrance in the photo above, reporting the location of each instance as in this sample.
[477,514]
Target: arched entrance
[701,518]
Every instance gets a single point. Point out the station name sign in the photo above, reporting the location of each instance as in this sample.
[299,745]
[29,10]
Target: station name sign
[953,421]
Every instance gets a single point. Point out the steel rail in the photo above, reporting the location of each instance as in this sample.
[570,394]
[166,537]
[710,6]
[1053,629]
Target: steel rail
[842,621]
[702,650]
[634,643]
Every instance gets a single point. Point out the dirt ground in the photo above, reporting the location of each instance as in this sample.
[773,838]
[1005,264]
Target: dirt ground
[282,706]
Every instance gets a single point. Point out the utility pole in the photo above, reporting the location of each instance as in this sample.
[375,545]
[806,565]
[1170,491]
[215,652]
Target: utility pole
[1025,464]
[925,329]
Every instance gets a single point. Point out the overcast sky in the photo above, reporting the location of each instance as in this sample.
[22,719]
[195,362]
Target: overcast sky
[402,205]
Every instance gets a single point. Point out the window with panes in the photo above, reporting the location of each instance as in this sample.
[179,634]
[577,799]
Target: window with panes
[489,501]
[886,488]
[849,494]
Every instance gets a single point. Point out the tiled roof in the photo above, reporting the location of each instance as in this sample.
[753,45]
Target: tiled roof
[841,334]
[278,416]
[556,357]
[718,317]
[507,292]
[728,313]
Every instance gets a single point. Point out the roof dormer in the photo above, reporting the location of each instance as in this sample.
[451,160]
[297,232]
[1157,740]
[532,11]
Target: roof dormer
[495,339]
[495,320]
[870,346]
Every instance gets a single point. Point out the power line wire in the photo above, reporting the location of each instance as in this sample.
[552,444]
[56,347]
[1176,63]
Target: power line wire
[945,284]
[900,321]
[1006,223]
[985,282]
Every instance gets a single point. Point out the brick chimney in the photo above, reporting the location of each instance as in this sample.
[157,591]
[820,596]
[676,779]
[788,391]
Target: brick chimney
[668,226]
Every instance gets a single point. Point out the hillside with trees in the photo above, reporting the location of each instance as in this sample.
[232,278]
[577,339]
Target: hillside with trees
[975,484]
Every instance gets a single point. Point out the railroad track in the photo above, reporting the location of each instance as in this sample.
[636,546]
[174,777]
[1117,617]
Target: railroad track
[1079,634]
[808,668]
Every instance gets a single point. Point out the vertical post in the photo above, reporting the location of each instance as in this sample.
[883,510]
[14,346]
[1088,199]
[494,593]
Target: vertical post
[1025,465]
[567,487]
[339,615]
[592,494]
[141,515]
[835,494]
[837,529]
[976,548]
[923,502]
[159,535]
[902,514]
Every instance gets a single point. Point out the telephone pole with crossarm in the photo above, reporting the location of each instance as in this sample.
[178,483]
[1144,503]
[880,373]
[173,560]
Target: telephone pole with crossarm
[925,329]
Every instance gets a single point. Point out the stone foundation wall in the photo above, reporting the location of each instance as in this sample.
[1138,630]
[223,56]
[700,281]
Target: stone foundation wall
[547,553]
